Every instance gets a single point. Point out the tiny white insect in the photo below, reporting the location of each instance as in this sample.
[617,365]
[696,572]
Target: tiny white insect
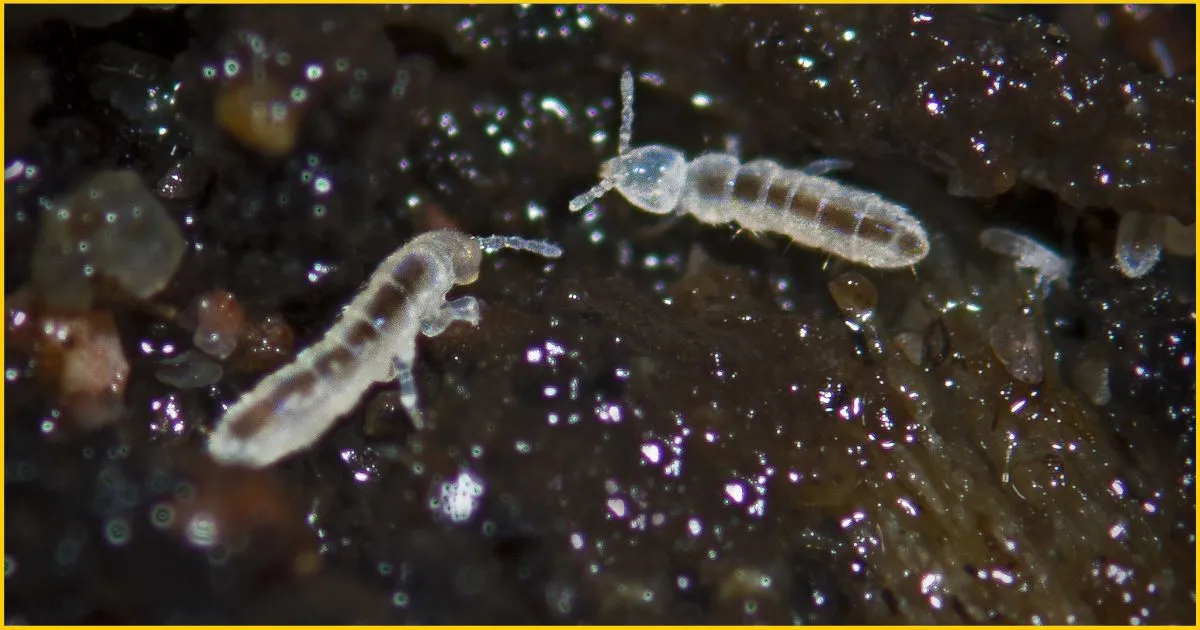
[374,341]
[717,188]
[1048,267]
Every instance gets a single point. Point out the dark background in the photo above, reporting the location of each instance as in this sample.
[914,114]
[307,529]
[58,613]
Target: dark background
[672,424]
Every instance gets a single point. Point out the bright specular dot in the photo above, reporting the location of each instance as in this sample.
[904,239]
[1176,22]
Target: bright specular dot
[202,530]
[458,500]
[652,452]
[556,107]
[736,492]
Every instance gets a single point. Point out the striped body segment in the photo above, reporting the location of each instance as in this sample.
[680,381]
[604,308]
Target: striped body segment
[374,340]
[717,188]
[293,406]
[813,211]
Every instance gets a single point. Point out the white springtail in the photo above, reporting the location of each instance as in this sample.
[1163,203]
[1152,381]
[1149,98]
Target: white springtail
[374,341]
[717,188]
[1047,266]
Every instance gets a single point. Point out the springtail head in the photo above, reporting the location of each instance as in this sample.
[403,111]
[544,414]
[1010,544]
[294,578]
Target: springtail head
[545,249]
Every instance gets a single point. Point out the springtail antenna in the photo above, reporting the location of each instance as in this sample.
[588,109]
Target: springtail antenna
[597,191]
[544,249]
[626,134]
[624,138]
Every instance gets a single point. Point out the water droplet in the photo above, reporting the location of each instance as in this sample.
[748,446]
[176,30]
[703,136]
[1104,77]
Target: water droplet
[118,532]
[162,515]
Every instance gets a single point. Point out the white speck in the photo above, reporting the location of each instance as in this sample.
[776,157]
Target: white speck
[556,107]
[674,468]
[653,78]
[14,169]
[446,122]
[322,185]
[929,581]
[652,452]
[1002,576]
[460,498]
[202,530]
[610,413]
[319,271]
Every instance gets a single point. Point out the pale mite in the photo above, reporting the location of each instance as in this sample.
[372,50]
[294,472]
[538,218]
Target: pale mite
[1047,266]
[716,188]
[375,340]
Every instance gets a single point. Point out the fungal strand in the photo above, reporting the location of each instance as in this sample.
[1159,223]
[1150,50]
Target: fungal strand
[544,249]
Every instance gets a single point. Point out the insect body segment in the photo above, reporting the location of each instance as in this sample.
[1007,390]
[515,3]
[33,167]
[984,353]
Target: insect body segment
[717,188]
[374,341]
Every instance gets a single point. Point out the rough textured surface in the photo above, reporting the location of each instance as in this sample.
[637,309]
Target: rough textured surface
[670,424]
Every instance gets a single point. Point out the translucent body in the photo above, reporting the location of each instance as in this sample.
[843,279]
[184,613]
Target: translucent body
[1048,267]
[1139,243]
[374,341]
[717,188]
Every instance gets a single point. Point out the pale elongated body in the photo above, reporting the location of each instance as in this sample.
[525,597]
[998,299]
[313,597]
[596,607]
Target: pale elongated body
[374,341]
[1047,266]
[717,188]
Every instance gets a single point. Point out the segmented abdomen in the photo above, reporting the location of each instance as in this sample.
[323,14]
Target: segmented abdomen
[814,211]
[293,406]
